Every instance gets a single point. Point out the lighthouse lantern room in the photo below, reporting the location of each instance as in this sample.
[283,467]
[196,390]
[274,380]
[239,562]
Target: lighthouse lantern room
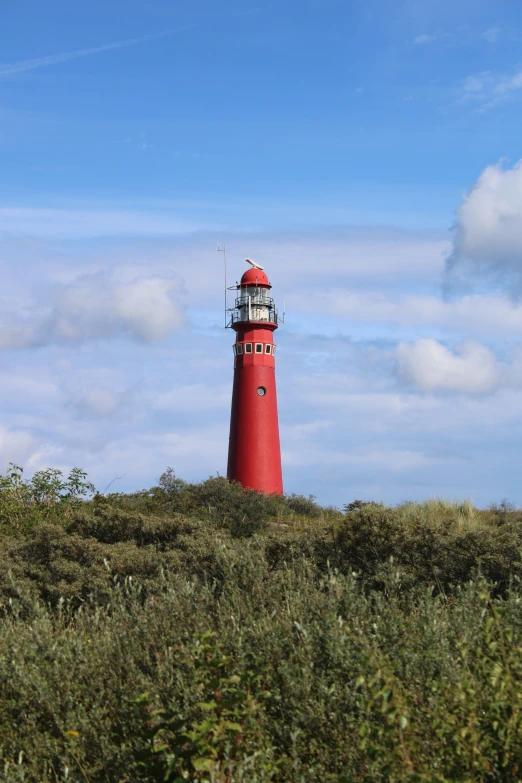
[254,453]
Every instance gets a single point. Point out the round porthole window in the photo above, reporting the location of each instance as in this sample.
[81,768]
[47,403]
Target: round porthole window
[261,391]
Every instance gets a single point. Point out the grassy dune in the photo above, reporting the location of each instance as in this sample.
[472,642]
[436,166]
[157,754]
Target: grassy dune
[197,632]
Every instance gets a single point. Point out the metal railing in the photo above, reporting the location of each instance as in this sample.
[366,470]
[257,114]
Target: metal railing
[259,298]
[236,316]
[256,307]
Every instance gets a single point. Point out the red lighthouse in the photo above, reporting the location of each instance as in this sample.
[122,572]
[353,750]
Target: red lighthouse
[254,453]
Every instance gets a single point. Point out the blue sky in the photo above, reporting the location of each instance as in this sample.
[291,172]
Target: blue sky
[366,153]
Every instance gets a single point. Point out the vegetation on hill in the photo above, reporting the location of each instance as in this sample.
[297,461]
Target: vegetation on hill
[198,632]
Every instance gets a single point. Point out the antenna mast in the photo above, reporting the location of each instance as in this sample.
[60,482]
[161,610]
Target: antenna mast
[223,249]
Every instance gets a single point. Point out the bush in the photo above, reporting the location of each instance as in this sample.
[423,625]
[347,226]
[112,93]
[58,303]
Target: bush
[306,507]
[280,678]
[435,543]
[25,503]
[246,639]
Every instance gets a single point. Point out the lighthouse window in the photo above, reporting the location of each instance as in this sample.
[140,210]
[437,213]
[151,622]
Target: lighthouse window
[261,391]
[259,347]
[248,347]
[239,349]
[273,350]
[268,348]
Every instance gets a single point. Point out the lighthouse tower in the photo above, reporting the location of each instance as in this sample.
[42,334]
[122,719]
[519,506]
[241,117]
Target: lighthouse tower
[254,453]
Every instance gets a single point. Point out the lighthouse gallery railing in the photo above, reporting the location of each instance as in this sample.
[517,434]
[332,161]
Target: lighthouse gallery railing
[254,307]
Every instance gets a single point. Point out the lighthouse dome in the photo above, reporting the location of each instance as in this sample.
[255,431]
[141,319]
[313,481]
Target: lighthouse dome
[255,277]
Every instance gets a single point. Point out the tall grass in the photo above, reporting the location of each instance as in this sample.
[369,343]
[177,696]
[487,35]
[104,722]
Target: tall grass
[198,632]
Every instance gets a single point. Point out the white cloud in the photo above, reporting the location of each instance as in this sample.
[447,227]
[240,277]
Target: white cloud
[460,38]
[472,85]
[424,39]
[146,309]
[488,233]
[487,89]
[142,309]
[475,314]
[99,401]
[17,446]
[509,83]
[491,35]
[97,308]
[429,365]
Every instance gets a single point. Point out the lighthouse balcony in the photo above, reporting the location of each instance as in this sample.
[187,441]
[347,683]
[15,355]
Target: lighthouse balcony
[255,314]
[258,298]
[254,307]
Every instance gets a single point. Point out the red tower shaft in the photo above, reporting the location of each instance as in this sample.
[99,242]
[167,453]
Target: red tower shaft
[254,455]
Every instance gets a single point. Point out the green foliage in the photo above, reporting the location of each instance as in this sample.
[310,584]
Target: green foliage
[226,504]
[306,507]
[46,495]
[226,730]
[198,632]
[437,543]
[355,505]
[243,512]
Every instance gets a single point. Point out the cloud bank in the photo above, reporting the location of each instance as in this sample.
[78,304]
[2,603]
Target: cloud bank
[95,308]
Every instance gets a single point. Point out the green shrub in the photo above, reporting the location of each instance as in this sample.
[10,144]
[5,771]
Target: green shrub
[282,678]
[241,511]
[441,546]
[25,503]
[306,507]
[202,632]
